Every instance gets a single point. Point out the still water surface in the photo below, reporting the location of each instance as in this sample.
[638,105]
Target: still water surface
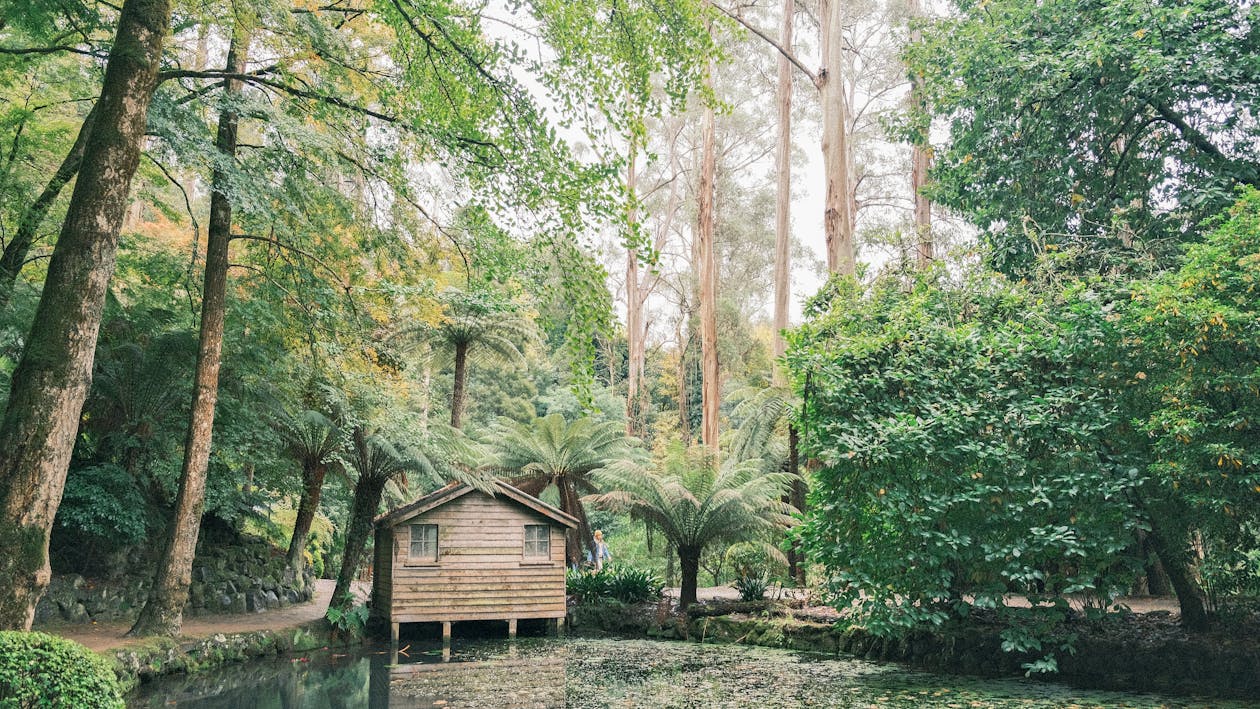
[580,673]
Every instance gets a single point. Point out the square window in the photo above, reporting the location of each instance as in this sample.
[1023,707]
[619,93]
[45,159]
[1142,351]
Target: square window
[538,541]
[424,544]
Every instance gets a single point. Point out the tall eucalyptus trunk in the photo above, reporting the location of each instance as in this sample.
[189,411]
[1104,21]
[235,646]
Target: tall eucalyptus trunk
[783,197]
[920,159]
[636,351]
[54,374]
[163,612]
[837,216]
[705,233]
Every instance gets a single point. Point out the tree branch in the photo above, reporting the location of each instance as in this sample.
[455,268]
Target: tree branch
[787,54]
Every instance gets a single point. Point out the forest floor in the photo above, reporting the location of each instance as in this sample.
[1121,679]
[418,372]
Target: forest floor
[109,636]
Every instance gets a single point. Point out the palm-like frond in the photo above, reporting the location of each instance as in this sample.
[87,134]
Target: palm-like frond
[553,451]
[760,417]
[490,334]
[695,502]
[309,436]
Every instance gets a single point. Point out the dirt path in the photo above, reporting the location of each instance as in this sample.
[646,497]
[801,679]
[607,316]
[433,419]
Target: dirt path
[106,636]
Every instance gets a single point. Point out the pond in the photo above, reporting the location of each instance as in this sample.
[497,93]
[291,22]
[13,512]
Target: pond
[577,672]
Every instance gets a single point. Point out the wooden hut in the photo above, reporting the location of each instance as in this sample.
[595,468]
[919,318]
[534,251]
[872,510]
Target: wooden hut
[460,554]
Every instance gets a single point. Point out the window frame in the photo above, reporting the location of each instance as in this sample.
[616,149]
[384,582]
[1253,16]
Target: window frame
[541,556]
[411,539]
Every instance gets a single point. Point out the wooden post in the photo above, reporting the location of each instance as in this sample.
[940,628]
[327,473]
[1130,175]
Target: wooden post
[511,628]
[560,627]
[393,634]
[446,631]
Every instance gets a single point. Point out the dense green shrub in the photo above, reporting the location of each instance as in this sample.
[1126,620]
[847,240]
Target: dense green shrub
[630,585]
[40,670]
[624,584]
[751,588]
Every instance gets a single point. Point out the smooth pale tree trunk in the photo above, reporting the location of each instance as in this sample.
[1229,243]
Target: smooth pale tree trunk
[16,251]
[783,197]
[708,281]
[367,499]
[312,489]
[837,215]
[920,160]
[457,389]
[54,374]
[163,613]
[636,352]
[689,566]
[684,407]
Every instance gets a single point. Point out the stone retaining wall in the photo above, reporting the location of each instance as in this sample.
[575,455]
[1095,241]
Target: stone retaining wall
[247,578]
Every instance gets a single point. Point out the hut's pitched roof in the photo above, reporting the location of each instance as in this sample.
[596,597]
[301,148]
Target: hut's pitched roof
[455,491]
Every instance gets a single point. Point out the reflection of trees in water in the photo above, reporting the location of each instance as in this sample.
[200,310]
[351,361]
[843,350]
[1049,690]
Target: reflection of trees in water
[522,681]
[337,682]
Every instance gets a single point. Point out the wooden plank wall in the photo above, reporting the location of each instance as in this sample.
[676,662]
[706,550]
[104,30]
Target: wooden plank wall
[482,572]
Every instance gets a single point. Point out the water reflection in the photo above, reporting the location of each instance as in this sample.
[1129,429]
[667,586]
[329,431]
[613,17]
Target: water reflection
[584,673]
[476,674]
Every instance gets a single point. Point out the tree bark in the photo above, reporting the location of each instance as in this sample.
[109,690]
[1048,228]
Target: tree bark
[457,389]
[1190,596]
[312,490]
[689,565]
[920,159]
[164,610]
[52,379]
[837,217]
[796,498]
[367,499]
[636,352]
[783,198]
[709,391]
[16,251]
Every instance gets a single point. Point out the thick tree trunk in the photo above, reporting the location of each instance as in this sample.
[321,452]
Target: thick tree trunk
[1176,562]
[575,539]
[16,251]
[367,499]
[837,217]
[457,389]
[312,489]
[163,612]
[708,282]
[920,161]
[783,197]
[689,565]
[52,379]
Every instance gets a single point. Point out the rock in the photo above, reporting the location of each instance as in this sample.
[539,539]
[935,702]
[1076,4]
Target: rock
[239,604]
[46,610]
[76,614]
[225,602]
[271,600]
[291,596]
[256,602]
